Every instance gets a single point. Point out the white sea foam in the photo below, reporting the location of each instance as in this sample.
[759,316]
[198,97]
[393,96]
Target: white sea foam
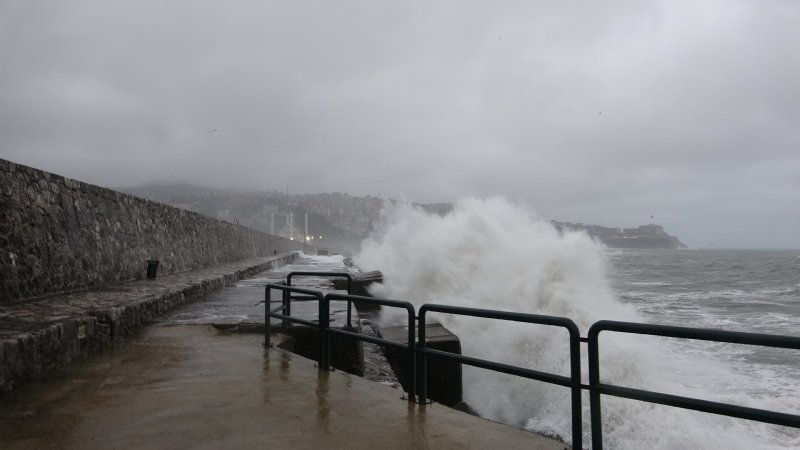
[490,253]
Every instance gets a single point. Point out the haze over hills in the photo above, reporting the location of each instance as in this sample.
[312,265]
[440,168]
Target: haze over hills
[335,221]
[338,221]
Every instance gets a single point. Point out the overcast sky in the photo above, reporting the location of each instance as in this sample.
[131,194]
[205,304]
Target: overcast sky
[599,112]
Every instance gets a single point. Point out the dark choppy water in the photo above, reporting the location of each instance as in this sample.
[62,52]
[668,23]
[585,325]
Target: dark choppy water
[744,290]
[488,253]
[737,290]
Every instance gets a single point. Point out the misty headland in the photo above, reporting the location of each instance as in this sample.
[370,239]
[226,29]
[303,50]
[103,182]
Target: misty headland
[339,221]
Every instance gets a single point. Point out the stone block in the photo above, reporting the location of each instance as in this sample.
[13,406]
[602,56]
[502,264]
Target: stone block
[444,381]
[347,354]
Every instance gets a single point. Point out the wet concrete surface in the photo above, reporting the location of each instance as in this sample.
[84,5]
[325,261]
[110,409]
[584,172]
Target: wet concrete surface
[196,387]
[237,308]
[41,334]
[240,302]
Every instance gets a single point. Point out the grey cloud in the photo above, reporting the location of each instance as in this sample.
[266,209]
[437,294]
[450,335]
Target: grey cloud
[605,112]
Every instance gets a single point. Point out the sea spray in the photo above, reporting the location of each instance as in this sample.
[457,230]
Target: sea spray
[491,253]
[487,249]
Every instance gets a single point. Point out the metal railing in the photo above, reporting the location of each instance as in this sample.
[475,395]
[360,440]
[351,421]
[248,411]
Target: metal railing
[412,334]
[327,275]
[573,381]
[418,353]
[596,389]
[286,316]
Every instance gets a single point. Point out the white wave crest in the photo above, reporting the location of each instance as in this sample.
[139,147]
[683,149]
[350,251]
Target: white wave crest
[491,253]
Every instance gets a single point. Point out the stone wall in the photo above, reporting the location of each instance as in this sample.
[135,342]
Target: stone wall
[58,234]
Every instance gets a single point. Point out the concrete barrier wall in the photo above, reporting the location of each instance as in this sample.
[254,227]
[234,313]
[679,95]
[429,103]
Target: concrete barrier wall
[58,234]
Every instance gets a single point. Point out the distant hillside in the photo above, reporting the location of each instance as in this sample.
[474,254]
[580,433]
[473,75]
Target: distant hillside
[338,221]
[644,236]
[271,212]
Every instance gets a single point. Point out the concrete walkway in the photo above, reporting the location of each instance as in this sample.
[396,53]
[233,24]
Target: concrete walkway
[195,387]
[41,334]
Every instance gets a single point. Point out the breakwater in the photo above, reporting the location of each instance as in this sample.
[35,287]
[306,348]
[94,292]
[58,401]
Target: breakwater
[73,257]
[39,335]
[60,235]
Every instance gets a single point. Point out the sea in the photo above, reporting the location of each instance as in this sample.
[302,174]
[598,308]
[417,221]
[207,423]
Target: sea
[755,291]
[492,253]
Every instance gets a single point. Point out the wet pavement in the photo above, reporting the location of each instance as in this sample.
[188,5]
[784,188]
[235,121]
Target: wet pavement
[187,383]
[194,386]
[241,303]
[38,335]
[238,308]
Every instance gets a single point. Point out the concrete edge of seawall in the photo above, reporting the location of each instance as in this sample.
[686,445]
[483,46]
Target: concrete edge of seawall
[39,336]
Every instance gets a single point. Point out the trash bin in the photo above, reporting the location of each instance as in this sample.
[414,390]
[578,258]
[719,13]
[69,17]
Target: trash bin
[152,269]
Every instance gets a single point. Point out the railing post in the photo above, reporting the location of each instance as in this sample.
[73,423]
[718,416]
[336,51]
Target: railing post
[575,375]
[422,360]
[349,303]
[267,325]
[324,323]
[594,395]
[287,307]
[412,356]
[287,301]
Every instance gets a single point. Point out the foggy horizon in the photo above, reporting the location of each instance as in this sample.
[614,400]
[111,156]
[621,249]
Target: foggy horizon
[603,114]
